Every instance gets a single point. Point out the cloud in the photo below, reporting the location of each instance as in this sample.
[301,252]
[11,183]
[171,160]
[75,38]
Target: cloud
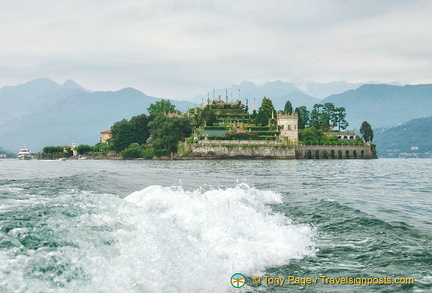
[181,48]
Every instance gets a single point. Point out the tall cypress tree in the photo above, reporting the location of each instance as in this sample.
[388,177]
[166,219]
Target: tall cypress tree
[261,118]
[267,107]
[288,109]
[366,131]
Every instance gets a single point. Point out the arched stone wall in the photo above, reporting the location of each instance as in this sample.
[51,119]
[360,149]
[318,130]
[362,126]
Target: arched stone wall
[334,152]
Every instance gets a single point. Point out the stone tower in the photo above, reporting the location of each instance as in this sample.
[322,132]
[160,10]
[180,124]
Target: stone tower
[288,126]
[74,149]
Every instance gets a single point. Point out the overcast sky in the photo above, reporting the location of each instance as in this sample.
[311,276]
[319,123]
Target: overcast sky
[179,49]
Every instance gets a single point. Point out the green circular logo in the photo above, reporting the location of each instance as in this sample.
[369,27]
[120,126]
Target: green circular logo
[238,280]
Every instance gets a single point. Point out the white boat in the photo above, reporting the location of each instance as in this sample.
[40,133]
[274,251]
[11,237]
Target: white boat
[24,154]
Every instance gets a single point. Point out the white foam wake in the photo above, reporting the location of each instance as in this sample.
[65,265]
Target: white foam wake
[159,239]
[193,241]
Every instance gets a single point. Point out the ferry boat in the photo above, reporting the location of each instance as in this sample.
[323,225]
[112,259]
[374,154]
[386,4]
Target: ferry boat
[24,154]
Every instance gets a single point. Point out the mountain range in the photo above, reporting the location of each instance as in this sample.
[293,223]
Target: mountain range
[43,112]
[384,105]
[410,139]
[278,91]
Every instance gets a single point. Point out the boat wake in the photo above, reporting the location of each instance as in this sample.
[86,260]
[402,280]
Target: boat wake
[159,239]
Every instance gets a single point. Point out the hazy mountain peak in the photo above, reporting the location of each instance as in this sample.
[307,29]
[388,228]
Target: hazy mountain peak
[132,91]
[40,85]
[70,84]
[245,85]
[41,82]
[36,87]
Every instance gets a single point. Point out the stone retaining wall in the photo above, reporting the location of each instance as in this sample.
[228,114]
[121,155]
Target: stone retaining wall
[238,149]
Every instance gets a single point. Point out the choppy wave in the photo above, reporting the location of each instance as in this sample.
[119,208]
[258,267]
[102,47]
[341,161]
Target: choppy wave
[159,239]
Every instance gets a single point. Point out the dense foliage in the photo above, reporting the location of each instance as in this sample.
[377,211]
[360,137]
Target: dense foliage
[261,118]
[161,107]
[56,152]
[125,132]
[325,115]
[84,149]
[208,116]
[52,149]
[132,138]
[166,132]
[312,135]
[366,131]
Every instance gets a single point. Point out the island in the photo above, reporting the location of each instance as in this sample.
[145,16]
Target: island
[225,129]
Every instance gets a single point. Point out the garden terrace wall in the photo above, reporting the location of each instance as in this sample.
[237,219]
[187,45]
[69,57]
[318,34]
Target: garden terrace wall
[236,149]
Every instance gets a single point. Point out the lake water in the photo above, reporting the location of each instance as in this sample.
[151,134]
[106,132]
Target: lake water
[188,226]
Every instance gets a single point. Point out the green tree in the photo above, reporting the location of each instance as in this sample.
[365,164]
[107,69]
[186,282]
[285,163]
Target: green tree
[121,135]
[267,107]
[303,117]
[326,116]
[161,107]
[134,145]
[139,129]
[125,132]
[84,148]
[288,109]
[131,153]
[166,132]
[366,131]
[208,116]
[52,149]
[101,147]
[314,118]
[312,135]
[261,118]
[338,118]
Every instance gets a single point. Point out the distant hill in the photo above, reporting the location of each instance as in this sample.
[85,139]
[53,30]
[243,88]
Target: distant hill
[323,90]
[278,91]
[411,139]
[384,105]
[43,112]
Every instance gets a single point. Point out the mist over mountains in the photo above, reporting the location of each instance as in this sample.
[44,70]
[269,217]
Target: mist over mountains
[42,112]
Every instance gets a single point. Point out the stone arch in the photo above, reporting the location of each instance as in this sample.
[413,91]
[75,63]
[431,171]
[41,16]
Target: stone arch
[309,154]
[317,155]
[355,154]
[362,153]
[332,154]
[325,154]
[340,154]
[347,154]
[345,137]
[351,137]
